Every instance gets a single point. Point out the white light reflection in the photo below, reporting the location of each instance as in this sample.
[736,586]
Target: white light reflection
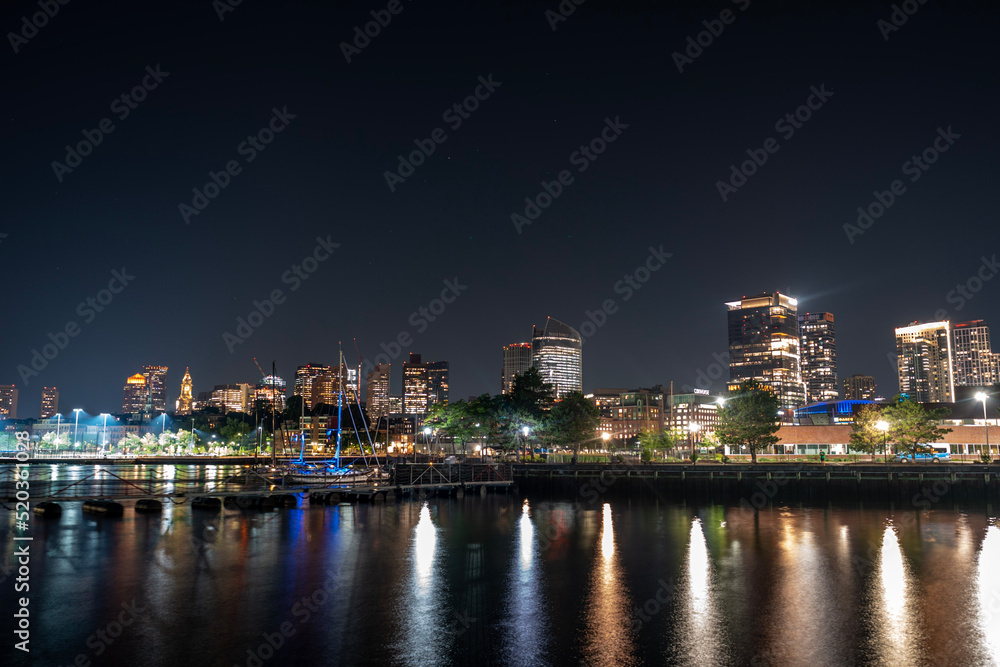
[894,624]
[608,637]
[700,620]
[525,622]
[423,640]
[988,585]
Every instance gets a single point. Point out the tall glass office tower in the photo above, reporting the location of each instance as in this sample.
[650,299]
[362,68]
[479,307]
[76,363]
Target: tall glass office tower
[557,353]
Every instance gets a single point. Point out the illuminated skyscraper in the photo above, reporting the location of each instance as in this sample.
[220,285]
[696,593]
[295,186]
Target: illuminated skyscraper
[185,403]
[135,394]
[924,357]
[271,390]
[764,346]
[516,360]
[313,382]
[414,386]
[557,353]
[8,401]
[437,383]
[231,397]
[859,388]
[50,401]
[818,350]
[378,392]
[975,364]
[157,379]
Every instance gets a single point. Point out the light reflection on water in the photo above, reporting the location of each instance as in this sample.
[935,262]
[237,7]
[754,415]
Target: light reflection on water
[525,624]
[607,636]
[988,585]
[894,625]
[700,633]
[422,635]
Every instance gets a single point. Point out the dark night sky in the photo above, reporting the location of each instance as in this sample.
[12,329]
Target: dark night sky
[323,176]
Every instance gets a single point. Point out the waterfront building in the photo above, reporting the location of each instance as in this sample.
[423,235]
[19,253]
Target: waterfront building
[818,351]
[377,393]
[156,376]
[557,353]
[437,383]
[694,413]
[135,395]
[516,360]
[924,357]
[975,365]
[8,401]
[415,385]
[270,390]
[185,402]
[764,346]
[50,402]
[231,397]
[859,387]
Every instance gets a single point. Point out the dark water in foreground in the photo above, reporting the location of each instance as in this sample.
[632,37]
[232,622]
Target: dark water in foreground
[498,580]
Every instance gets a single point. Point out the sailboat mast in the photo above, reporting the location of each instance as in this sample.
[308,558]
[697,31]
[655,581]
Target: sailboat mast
[274,409]
[340,396]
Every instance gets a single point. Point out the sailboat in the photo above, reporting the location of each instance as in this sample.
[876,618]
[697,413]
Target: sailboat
[332,472]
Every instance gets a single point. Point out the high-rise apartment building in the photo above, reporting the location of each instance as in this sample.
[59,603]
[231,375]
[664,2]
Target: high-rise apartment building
[764,346]
[50,402]
[270,390]
[231,397]
[437,383]
[516,360]
[135,395]
[415,385]
[859,388]
[818,352]
[924,357]
[156,377]
[314,383]
[8,401]
[377,394]
[975,365]
[185,402]
[557,353]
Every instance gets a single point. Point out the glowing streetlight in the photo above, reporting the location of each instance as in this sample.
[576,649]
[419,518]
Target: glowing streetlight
[76,432]
[693,429]
[105,439]
[981,396]
[883,426]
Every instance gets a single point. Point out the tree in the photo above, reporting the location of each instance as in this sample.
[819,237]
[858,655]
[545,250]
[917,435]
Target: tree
[910,424]
[750,418]
[865,434]
[456,420]
[531,394]
[234,429]
[656,441]
[573,421]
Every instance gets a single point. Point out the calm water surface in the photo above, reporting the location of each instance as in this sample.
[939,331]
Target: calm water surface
[505,580]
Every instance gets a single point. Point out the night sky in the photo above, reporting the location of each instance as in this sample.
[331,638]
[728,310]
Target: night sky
[548,92]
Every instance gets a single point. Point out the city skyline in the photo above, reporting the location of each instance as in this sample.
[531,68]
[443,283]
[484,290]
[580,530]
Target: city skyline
[667,160]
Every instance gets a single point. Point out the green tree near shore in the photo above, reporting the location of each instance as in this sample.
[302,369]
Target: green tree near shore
[657,441]
[910,424]
[573,421]
[750,417]
[865,434]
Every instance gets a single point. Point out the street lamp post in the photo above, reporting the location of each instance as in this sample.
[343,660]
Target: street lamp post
[693,429]
[981,396]
[524,431]
[105,439]
[58,424]
[76,431]
[883,426]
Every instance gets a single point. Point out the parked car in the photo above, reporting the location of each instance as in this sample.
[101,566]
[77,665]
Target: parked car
[923,453]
